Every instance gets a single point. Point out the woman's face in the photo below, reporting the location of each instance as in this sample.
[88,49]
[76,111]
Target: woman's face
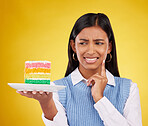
[91,47]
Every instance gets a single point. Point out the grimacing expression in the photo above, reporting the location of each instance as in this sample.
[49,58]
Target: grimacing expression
[91,47]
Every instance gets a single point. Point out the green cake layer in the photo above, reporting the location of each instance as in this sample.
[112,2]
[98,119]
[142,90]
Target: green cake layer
[37,81]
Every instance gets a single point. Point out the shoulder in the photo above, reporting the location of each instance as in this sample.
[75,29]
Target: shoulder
[123,83]
[122,79]
[126,82]
[62,81]
[134,88]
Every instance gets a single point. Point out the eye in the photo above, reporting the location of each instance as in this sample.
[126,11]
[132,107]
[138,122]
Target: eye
[99,43]
[82,43]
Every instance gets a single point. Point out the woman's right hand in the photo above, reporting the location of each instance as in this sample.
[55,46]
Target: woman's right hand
[41,96]
[46,101]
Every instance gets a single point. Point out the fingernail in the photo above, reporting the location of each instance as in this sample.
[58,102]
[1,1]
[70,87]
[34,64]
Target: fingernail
[41,92]
[34,92]
[103,61]
[25,92]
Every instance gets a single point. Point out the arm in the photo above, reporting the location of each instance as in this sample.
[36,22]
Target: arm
[108,113]
[46,101]
[53,111]
[60,118]
[132,110]
[48,108]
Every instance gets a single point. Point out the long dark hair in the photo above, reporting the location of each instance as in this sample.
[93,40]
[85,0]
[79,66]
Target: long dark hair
[89,20]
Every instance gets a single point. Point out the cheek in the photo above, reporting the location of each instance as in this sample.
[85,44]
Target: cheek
[103,52]
[80,52]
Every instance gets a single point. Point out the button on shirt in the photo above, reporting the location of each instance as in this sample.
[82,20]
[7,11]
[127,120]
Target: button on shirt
[108,113]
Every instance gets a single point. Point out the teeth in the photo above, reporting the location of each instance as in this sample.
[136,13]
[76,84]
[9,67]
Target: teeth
[91,59]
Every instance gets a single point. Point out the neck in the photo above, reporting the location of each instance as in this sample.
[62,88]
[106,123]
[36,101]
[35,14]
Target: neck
[87,73]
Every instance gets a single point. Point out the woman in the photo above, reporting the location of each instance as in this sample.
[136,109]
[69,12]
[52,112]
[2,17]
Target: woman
[94,94]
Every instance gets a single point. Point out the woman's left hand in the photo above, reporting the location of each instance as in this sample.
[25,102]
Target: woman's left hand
[98,83]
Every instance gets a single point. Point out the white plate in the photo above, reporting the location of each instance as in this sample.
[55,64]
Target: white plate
[36,87]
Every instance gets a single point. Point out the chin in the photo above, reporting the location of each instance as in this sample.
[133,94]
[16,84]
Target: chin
[91,67]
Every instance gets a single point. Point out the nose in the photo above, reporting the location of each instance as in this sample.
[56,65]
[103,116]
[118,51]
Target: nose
[91,48]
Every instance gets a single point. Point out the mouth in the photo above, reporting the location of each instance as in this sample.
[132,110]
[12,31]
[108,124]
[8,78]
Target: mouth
[91,59]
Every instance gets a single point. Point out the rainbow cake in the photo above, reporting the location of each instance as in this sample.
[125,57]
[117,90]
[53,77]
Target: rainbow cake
[37,72]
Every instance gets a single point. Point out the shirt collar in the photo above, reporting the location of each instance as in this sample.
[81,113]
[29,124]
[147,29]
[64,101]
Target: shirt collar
[76,77]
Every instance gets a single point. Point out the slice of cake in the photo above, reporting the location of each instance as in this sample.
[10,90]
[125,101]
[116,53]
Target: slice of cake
[37,72]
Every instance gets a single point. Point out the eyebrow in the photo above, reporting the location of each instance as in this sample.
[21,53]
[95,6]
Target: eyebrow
[84,39]
[93,40]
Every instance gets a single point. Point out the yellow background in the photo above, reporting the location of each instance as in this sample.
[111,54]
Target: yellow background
[40,29]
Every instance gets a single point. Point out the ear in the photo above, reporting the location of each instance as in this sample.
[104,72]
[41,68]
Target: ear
[109,47]
[72,44]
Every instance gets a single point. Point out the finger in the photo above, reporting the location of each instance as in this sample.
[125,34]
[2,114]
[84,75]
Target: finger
[28,94]
[41,92]
[103,72]
[91,82]
[37,94]
[34,92]
[97,75]
[25,91]
[20,92]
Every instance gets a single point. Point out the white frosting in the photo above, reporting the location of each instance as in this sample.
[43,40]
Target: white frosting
[39,73]
[38,78]
[37,61]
